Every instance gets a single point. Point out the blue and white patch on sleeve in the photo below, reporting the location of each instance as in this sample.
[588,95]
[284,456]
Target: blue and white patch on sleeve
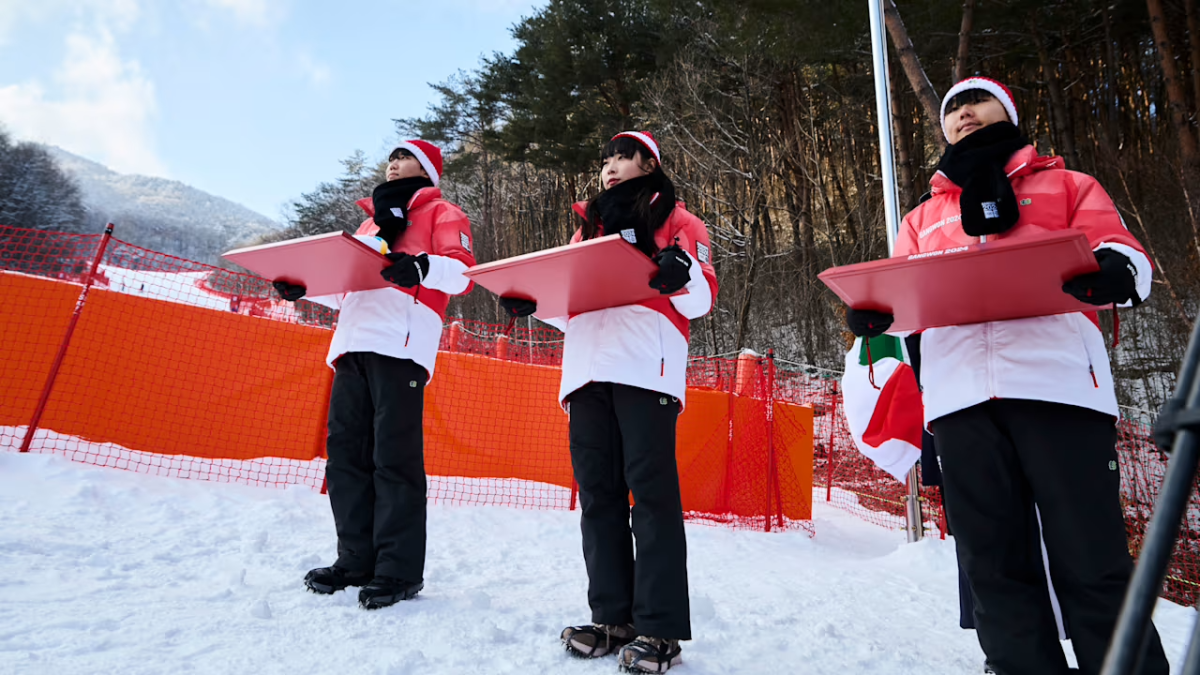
[701,252]
[466,241]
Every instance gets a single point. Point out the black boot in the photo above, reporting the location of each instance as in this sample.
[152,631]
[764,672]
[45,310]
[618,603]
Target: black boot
[331,579]
[386,591]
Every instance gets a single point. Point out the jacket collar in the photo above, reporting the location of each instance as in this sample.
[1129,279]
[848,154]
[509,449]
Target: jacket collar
[1023,162]
[419,199]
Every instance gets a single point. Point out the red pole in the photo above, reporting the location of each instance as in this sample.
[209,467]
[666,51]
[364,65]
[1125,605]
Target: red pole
[574,493]
[832,421]
[66,342]
[774,470]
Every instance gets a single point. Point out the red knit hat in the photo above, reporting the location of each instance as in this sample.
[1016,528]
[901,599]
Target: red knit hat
[428,155]
[645,139]
[987,84]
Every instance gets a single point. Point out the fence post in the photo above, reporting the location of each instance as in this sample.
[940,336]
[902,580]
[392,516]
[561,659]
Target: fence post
[832,420]
[66,341]
[773,484]
[574,493]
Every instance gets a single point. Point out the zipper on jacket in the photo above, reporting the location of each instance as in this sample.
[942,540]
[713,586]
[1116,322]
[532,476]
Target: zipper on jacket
[662,350]
[1083,346]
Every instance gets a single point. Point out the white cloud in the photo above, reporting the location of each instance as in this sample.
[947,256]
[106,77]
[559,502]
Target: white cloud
[100,106]
[258,13]
[317,73]
[119,14]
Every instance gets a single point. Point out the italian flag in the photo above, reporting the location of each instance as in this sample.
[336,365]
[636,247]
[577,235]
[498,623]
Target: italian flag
[885,419]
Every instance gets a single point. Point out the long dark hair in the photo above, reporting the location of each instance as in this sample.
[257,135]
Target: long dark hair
[656,214]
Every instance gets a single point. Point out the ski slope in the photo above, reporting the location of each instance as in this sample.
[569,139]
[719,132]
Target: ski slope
[109,571]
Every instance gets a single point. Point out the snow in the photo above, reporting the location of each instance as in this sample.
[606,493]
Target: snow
[114,571]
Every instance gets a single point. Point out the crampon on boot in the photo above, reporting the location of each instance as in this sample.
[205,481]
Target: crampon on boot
[649,655]
[596,640]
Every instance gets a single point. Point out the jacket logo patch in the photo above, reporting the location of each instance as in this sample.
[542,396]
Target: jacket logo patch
[629,235]
[701,252]
[990,210]
[466,241]
[1026,202]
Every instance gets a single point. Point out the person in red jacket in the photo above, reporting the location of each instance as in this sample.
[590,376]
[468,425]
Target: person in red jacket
[1024,411]
[383,354]
[623,383]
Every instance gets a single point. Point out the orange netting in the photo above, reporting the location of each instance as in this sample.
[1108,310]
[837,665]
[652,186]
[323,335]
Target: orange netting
[188,370]
[183,369]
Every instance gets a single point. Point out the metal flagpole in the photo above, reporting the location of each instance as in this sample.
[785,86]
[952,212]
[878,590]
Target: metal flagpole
[891,209]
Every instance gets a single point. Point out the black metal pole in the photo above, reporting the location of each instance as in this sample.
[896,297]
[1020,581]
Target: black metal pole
[1129,639]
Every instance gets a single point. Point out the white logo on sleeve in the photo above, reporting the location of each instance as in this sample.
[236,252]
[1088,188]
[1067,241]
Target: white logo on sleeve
[629,235]
[701,252]
[466,241]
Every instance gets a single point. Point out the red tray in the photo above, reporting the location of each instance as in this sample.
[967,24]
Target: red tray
[584,277]
[992,281]
[324,263]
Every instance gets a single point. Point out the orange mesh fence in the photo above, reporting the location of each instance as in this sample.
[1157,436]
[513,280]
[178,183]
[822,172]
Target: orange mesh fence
[188,370]
[183,369]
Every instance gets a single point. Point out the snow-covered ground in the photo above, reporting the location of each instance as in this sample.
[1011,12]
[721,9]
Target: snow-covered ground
[110,571]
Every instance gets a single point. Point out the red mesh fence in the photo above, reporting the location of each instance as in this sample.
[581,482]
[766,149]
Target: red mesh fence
[183,369]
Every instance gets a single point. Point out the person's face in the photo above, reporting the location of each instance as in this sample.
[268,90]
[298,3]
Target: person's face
[617,169]
[964,120]
[404,165]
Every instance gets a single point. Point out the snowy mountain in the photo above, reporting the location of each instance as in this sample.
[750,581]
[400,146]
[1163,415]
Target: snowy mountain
[160,214]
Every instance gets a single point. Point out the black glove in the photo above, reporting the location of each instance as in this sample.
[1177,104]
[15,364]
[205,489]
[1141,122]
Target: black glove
[674,270]
[406,270]
[868,323]
[517,308]
[289,292]
[1172,419]
[1115,283]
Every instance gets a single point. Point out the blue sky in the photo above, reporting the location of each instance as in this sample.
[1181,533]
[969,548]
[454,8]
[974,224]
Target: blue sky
[251,100]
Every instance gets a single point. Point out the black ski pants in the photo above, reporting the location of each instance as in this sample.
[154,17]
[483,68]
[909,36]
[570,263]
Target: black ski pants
[623,441]
[376,469]
[1000,457]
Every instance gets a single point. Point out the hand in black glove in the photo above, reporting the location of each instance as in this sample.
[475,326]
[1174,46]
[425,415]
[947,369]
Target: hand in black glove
[674,270]
[1172,419]
[406,270]
[1116,282]
[517,308]
[868,323]
[289,292]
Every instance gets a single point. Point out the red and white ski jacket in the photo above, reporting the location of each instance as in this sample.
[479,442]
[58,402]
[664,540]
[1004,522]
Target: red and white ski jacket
[646,344]
[1058,358]
[406,323]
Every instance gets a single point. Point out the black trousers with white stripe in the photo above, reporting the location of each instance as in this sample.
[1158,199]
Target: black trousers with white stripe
[998,459]
[622,442]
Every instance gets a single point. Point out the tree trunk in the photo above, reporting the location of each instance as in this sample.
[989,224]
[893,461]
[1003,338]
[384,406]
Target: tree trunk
[964,41]
[913,68]
[1058,105]
[1179,117]
[1193,26]
[904,168]
[1176,98]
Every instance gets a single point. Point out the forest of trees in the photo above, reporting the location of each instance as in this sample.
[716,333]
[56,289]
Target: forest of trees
[34,191]
[765,112]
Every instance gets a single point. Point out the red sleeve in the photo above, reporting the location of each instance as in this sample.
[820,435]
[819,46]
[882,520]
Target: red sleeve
[1093,212]
[452,236]
[692,236]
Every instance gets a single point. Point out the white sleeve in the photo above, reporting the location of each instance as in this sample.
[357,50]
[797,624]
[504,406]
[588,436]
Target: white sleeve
[331,301]
[559,322]
[1143,273]
[446,275]
[698,300]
